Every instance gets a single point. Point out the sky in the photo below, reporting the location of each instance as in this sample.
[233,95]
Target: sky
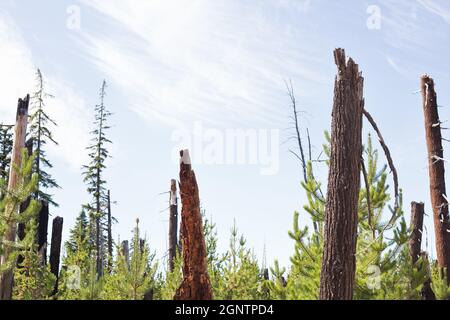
[194,74]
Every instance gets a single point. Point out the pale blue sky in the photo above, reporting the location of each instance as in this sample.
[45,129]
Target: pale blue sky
[172,63]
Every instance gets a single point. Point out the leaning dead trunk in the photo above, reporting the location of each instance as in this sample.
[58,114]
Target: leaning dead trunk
[341,213]
[196,284]
[436,173]
[173,224]
[7,278]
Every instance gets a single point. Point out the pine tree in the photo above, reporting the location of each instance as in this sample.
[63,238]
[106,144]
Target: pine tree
[41,135]
[32,280]
[131,280]
[94,177]
[9,208]
[240,277]
[384,266]
[79,234]
[78,275]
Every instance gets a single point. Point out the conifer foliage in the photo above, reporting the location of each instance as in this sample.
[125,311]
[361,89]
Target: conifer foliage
[41,135]
[94,178]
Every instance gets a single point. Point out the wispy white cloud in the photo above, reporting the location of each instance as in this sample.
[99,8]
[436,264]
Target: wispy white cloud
[393,64]
[436,8]
[210,60]
[407,24]
[18,78]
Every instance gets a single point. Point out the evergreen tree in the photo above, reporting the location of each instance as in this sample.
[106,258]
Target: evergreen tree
[241,276]
[130,280]
[32,280]
[384,267]
[78,275]
[78,235]
[41,135]
[94,177]
[9,208]
[166,286]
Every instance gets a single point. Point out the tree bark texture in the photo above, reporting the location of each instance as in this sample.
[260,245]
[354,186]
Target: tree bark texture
[436,173]
[20,130]
[341,213]
[196,284]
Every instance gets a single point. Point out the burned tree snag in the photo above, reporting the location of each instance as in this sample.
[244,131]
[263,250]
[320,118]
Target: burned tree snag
[110,239]
[415,243]
[341,213]
[43,231]
[436,173]
[196,284]
[7,278]
[173,224]
[126,251]
[417,213]
[55,249]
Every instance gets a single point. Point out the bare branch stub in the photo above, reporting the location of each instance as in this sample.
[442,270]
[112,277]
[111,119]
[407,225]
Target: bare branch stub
[196,284]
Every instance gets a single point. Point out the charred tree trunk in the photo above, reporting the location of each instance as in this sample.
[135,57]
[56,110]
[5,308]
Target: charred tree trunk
[196,284]
[55,249]
[110,239]
[436,173]
[341,213]
[415,243]
[7,278]
[173,224]
[43,231]
[126,251]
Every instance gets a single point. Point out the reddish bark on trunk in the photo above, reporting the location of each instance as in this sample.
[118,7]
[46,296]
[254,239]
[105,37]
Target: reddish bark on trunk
[196,284]
[7,278]
[436,173]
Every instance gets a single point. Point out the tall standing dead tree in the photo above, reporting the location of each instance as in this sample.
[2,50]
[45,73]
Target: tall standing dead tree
[7,278]
[436,173]
[173,224]
[196,284]
[341,214]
